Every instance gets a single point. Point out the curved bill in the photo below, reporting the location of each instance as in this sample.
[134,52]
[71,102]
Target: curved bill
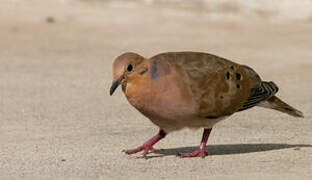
[115,85]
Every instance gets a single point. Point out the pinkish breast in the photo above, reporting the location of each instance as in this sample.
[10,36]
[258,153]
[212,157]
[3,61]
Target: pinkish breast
[164,98]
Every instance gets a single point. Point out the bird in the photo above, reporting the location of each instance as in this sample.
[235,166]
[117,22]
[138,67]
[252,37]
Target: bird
[177,90]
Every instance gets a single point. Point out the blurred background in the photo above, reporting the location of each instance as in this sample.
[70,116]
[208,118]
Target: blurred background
[57,120]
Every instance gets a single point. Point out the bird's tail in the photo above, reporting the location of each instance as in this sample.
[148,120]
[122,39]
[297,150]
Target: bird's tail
[277,104]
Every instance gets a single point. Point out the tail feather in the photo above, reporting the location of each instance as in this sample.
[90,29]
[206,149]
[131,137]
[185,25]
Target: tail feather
[277,104]
[260,94]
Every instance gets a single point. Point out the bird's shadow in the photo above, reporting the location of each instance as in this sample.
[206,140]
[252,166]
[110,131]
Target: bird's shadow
[226,149]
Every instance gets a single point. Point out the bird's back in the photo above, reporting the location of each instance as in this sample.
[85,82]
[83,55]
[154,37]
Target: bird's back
[218,86]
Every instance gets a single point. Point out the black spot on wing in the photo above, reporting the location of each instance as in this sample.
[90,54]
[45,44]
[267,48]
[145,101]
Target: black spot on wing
[238,76]
[227,75]
[262,93]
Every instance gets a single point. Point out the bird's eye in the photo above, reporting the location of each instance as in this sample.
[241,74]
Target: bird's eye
[130,67]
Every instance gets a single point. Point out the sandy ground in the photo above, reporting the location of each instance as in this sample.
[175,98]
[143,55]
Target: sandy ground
[57,120]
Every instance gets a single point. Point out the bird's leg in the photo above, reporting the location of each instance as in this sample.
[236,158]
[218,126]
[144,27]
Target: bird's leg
[201,151]
[148,145]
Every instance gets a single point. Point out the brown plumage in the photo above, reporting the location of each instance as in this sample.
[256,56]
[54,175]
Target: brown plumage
[178,90]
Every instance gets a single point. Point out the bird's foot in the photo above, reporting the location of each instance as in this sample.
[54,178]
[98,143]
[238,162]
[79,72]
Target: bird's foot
[198,153]
[146,148]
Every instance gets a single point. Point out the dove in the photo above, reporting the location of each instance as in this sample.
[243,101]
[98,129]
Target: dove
[177,90]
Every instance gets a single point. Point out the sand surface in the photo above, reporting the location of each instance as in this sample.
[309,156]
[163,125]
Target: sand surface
[57,120]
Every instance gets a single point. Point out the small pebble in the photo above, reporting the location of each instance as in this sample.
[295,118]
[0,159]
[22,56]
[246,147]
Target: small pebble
[50,19]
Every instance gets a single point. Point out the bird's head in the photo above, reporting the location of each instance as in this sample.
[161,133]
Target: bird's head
[126,67]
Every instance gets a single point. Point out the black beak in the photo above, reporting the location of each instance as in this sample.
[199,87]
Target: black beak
[115,85]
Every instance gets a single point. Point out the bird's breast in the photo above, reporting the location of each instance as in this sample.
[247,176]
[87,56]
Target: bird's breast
[162,98]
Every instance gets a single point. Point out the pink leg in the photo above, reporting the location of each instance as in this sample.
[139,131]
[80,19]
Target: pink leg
[201,151]
[148,145]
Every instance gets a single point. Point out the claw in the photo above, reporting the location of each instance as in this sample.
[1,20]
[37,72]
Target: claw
[125,151]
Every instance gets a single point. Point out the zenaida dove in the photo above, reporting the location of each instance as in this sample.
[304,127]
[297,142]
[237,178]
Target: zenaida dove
[177,90]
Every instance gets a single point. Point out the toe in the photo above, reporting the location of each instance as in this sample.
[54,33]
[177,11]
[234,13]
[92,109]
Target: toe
[201,154]
[156,150]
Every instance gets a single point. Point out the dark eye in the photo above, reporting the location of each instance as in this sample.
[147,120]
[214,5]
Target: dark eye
[130,67]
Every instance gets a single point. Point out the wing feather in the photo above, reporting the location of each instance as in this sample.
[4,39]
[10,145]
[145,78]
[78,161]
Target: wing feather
[262,93]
